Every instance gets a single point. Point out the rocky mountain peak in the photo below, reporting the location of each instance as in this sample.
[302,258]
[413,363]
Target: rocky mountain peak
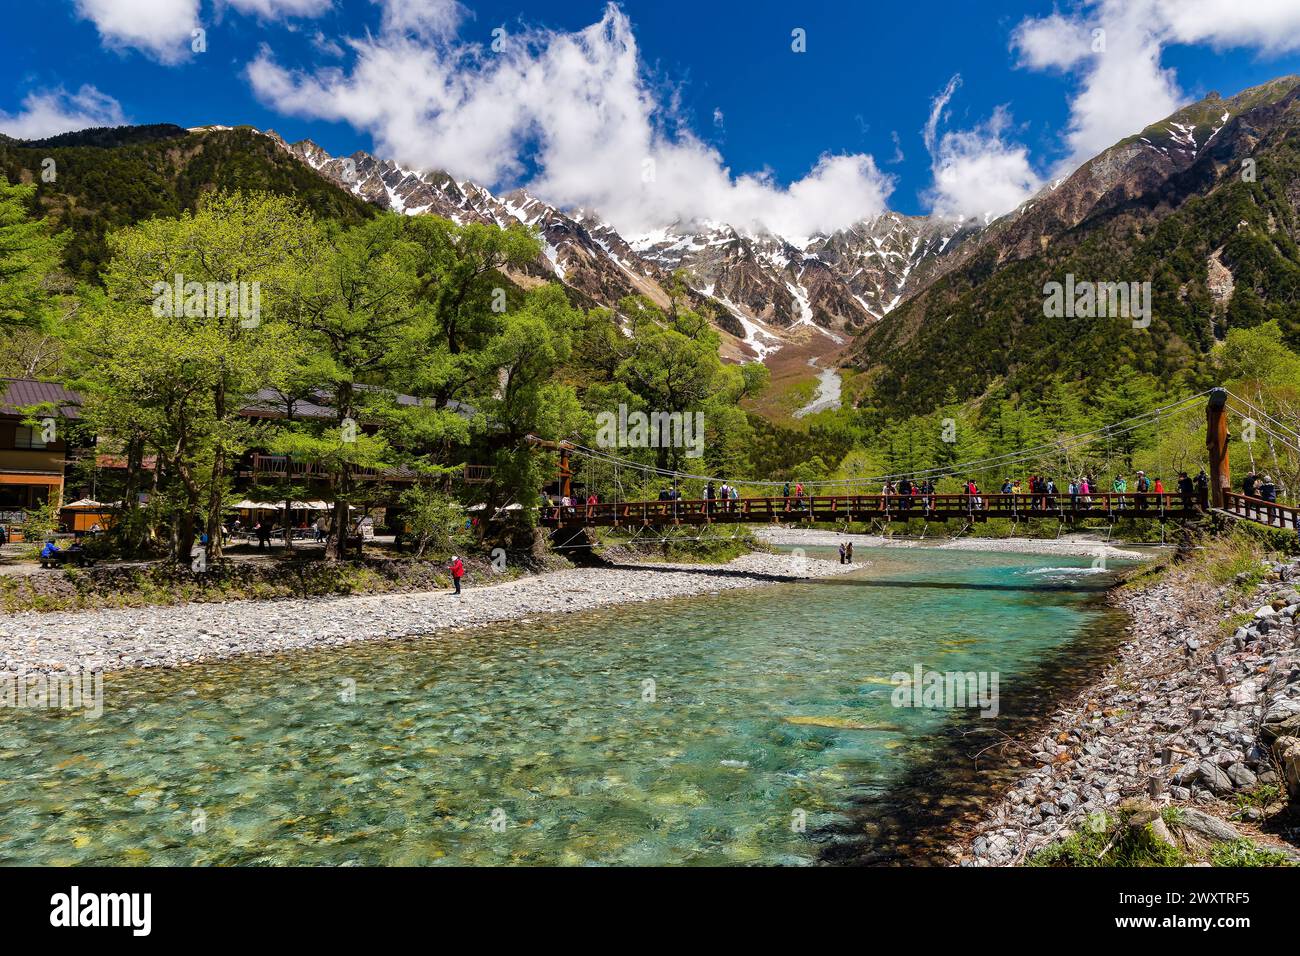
[761,287]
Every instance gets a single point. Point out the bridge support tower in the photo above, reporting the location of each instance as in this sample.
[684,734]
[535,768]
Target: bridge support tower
[1216,444]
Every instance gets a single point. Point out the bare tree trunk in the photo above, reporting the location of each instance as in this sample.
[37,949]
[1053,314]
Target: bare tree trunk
[339,522]
[130,495]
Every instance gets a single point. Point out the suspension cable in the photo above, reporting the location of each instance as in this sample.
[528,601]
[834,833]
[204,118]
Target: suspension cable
[1262,413]
[977,465]
[1285,441]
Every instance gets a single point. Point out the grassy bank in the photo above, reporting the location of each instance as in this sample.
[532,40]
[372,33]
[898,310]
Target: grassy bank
[1139,835]
[703,544]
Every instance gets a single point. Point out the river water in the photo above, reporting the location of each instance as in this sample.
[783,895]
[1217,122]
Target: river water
[748,727]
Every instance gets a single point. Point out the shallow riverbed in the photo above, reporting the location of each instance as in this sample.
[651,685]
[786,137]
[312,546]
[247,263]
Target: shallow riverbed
[741,727]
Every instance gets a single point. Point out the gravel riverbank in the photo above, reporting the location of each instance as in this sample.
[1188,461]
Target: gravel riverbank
[1211,714]
[1078,545]
[112,640]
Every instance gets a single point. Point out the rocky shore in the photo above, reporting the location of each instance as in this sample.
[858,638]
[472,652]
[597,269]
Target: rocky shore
[1195,715]
[119,639]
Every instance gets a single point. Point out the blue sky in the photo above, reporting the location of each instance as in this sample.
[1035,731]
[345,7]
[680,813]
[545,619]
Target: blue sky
[716,100]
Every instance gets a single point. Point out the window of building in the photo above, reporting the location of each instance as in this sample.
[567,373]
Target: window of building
[25,437]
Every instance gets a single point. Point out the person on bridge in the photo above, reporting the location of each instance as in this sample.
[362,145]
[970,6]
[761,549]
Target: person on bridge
[457,568]
[735,497]
[1268,492]
[1159,487]
[592,501]
[1250,486]
[1186,489]
[1120,487]
[1142,487]
[905,489]
[1202,483]
[798,495]
[708,498]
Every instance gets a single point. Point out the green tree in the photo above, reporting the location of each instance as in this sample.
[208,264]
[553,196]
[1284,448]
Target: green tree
[29,254]
[433,519]
[148,383]
[225,272]
[358,312]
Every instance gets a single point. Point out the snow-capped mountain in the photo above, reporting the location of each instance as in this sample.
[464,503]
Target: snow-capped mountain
[762,289]
[839,283]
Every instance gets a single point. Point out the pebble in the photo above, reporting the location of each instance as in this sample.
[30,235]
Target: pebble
[120,639]
[1164,691]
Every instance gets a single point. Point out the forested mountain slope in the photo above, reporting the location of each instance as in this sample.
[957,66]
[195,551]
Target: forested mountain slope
[104,179]
[1204,205]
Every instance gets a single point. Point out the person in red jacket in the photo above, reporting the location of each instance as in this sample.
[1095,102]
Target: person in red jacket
[457,571]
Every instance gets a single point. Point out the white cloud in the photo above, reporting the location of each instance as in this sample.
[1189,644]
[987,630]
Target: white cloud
[569,113]
[428,19]
[898,156]
[277,9]
[163,29]
[160,28]
[45,114]
[1123,87]
[977,172]
[937,106]
[325,45]
[1269,25]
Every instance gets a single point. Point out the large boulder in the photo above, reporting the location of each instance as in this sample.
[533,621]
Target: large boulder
[1204,826]
[1211,776]
[1287,751]
[1281,719]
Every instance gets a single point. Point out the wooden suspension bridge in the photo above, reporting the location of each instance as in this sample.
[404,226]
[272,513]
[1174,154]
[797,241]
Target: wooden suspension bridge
[1215,495]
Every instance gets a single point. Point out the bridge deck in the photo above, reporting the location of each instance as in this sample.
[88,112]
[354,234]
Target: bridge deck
[868,508]
[1263,512]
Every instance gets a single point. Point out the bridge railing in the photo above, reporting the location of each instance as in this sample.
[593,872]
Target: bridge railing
[893,507]
[1264,512]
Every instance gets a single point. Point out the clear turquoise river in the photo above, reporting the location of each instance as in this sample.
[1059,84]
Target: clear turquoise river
[748,727]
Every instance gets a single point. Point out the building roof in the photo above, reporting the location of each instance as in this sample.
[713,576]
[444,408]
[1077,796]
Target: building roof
[19,393]
[272,403]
